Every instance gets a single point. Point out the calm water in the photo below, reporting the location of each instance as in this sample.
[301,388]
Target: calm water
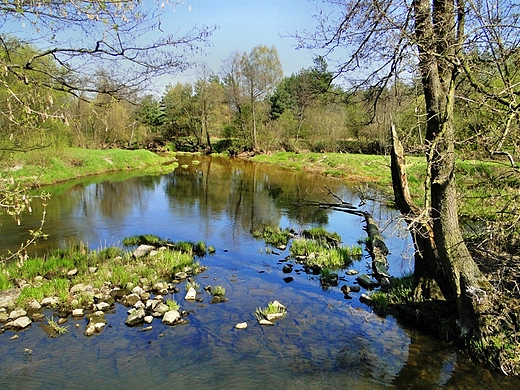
[324,342]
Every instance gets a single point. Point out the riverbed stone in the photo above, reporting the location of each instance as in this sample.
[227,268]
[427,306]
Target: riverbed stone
[191,295]
[90,329]
[365,281]
[77,313]
[148,319]
[263,321]
[159,286]
[160,309]
[72,273]
[34,305]
[171,317]
[137,290]
[131,299]
[49,301]
[3,317]
[103,306]
[151,304]
[8,297]
[16,313]
[135,317]
[241,325]
[143,250]
[22,322]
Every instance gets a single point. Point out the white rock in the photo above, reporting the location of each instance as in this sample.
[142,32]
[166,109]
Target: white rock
[34,305]
[161,308]
[99,326]
[77,313]
[38,278]
[103,306]
[17,313]
[137,290]
[22,322]
[263,321]
[90,330]
[139,304]
[151,304]
[77,288]
[241,325]
[143,250]
[148,319]
[72,272]
[274,316]
[191,295]
[278,304]
[49,301]
[171,317]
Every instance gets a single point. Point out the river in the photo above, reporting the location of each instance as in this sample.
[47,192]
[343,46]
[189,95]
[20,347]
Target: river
[324,342]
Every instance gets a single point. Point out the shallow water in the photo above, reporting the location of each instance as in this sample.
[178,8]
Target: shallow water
[324,342]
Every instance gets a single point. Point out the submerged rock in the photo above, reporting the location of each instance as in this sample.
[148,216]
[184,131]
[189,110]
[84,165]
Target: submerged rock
[365,281]
[241,325]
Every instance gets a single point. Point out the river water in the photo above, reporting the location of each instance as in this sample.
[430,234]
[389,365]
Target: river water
[324,342]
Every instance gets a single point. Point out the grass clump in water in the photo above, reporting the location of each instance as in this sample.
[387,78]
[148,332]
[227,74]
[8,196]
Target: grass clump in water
[59,329]
[274,310]
[193,285]
[318,252]
[172,304]
[322,236]
[145,239]
[218,291]
[274,236]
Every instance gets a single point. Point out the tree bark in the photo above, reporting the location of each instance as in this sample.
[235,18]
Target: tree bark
[430,279]
[436,28]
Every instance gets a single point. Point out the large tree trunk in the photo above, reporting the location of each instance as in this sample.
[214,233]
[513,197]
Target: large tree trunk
[437,35]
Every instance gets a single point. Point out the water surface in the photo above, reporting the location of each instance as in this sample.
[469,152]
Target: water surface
[324,342]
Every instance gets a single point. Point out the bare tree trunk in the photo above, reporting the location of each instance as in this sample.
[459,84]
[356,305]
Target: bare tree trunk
[437,41]
[430,280]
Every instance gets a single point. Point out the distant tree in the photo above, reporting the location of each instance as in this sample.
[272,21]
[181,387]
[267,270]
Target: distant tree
[209,101]
[300,91]
[180,117]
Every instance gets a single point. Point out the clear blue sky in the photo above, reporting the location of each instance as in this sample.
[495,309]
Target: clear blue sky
[244,24]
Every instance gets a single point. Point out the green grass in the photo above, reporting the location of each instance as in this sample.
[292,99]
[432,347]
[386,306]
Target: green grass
[262,313]
[59,329]
[484,186]
[172,304]
[194,285]
[218,291]
[58,287]
[312,252]
[322,236]
[52,166]
[273,235]
[113,264]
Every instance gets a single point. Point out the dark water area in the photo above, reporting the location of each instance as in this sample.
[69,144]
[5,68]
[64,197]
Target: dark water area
[324,342]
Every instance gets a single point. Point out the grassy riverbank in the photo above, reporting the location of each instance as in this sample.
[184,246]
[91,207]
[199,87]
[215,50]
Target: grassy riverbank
[484,186]
[38,168]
